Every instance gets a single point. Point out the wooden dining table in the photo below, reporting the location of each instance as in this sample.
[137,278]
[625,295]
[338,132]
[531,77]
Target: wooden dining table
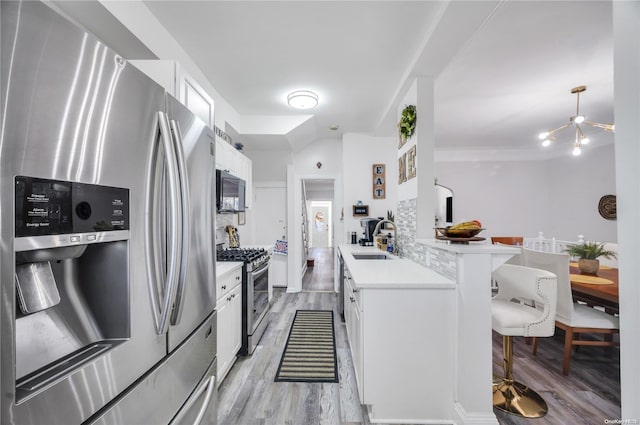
[596,294]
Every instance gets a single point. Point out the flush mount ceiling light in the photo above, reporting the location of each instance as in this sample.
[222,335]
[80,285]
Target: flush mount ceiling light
[548,137]
[302,99]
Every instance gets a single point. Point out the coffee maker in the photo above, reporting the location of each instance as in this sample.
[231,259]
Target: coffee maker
[368,226]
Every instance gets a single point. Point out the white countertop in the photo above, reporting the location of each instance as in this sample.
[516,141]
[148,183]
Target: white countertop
[481,247]
[397,273]
[224,267]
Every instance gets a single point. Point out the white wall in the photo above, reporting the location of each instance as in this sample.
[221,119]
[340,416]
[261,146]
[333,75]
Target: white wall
[626,55]
[408,189]
[325,151]
[269,166]
[316,194]
[558,197]
[576,185]
[359,153]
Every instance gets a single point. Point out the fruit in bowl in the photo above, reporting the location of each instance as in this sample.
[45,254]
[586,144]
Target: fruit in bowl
[467,229]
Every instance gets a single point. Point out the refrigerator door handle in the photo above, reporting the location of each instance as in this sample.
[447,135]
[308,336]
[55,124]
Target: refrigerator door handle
[209,386]
[186,225]
[162,308]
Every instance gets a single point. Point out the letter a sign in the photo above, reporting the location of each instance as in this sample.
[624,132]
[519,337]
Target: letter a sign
[378,181]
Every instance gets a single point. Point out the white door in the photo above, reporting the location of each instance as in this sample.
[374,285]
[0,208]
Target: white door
[269,215]
[320,224]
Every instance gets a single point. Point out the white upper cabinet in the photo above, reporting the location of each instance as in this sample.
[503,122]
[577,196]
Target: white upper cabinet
[170,75]
[236,163]
[173,78]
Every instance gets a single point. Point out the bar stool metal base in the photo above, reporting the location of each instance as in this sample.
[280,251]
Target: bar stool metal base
[511,396]
[518,399]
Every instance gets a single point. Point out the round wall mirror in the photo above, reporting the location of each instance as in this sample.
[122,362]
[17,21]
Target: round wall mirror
[444,206]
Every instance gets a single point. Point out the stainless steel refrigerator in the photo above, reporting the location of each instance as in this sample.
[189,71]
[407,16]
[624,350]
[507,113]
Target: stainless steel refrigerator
[107,223]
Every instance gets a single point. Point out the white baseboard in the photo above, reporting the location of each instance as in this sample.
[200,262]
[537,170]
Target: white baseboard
[466,418]
[407,421]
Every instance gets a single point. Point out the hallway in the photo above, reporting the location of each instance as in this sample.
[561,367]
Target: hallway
[319,278]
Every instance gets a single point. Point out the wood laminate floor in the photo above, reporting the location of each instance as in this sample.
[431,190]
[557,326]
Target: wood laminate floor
[589,395]
[249,396]
[320,276]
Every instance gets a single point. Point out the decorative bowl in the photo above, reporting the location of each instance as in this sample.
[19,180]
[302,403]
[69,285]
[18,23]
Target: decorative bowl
[458,233]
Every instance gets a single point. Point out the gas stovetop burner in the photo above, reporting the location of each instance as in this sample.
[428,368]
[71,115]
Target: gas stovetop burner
[256,256]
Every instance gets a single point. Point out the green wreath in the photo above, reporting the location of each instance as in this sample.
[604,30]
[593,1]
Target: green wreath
[408,121]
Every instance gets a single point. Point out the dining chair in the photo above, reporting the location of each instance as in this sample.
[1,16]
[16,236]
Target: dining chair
[573,318]
[511,316]
[508,240]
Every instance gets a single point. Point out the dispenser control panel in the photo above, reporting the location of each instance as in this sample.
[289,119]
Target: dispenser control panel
[54,207]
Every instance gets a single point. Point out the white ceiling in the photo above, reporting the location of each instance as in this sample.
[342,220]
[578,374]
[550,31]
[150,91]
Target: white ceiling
[503,70]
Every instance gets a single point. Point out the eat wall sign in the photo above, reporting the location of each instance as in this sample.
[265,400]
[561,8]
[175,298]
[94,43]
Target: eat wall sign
[407,165]
[379,182]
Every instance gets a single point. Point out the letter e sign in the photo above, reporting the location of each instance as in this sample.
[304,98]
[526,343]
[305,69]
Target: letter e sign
[379,181]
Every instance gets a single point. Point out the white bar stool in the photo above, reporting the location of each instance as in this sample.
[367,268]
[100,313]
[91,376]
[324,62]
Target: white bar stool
[513,316]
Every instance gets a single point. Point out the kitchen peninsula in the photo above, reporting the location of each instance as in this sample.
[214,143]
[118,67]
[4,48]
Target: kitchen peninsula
[420,341]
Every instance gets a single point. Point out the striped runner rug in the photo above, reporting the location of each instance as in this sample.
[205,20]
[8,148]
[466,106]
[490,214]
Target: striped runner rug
[310,352]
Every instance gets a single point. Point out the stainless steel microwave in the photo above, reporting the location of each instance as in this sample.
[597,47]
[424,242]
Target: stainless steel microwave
[230,193]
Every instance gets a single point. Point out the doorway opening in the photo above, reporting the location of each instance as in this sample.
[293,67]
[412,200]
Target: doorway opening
[318,207]
[320,225]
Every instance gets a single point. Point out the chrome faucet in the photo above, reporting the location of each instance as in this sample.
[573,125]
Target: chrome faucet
[395,233]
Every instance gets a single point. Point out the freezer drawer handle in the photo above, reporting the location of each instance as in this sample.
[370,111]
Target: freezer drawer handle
[209,385]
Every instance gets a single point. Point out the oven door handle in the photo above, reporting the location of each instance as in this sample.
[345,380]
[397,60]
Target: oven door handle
[260,271]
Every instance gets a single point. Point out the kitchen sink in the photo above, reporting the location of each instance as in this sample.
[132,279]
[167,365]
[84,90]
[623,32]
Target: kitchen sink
[371,256]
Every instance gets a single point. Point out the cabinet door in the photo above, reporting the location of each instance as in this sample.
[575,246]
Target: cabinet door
[246,175]
[178,83]
[162,72]
[223,337]
[223,285]
[353,319]
[357,353]
[194,97]
[236,311]
[226,157]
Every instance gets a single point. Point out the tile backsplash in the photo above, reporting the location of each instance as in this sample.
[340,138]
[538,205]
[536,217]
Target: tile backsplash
[441,261]
[223,220]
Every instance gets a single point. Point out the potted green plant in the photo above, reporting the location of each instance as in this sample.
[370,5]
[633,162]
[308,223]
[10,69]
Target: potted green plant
[407,124]
[588,254]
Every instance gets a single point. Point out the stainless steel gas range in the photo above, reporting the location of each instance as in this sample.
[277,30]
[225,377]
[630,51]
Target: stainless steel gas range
[255,293]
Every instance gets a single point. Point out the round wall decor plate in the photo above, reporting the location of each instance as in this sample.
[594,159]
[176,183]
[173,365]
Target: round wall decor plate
[607,207]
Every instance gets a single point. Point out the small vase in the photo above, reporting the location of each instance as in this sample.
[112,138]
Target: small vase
[588,266]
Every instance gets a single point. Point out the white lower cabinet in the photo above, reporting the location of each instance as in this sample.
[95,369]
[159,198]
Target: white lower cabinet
[399,340]
[229,307]
[352,318]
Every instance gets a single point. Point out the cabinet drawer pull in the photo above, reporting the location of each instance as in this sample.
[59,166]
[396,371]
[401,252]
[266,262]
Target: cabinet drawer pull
[224,286]
[352,299]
